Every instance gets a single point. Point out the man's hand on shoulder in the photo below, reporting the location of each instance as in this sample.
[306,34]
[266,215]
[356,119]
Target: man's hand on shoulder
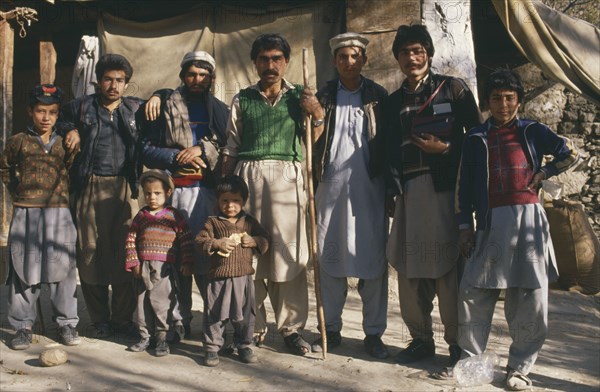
[152,109]
[72,141]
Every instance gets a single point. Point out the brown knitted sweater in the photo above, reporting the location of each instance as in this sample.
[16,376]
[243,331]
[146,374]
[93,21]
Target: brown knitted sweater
[35,178]
[239,262]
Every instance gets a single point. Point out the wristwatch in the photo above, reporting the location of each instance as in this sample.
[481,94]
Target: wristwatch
[317,123]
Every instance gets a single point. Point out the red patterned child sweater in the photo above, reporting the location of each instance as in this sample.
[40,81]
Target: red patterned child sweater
[161,237]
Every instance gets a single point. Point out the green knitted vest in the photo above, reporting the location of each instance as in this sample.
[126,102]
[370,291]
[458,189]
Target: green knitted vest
[271,132]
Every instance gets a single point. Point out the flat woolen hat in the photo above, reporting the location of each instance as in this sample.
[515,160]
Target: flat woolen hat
[46,94]
[348,39]
[160,175]
[199,55]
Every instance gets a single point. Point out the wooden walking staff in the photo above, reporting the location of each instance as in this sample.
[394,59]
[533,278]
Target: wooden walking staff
[312,213]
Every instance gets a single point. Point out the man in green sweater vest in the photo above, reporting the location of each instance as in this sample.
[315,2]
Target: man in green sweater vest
[265,148]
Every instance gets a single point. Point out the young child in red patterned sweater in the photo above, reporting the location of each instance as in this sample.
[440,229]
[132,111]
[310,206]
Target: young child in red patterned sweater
[158,235]
[230,239]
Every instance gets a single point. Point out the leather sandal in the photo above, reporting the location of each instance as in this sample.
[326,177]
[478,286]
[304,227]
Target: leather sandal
[296,343]
[517,381]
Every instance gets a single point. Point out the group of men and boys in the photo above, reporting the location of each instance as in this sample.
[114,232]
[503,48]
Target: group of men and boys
[421,156]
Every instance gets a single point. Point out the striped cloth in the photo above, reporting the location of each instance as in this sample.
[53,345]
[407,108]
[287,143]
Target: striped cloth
[160,237]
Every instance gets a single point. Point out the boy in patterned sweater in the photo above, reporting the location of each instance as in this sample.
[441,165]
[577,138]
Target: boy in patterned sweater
[158,235]
[230,239]
[42,234]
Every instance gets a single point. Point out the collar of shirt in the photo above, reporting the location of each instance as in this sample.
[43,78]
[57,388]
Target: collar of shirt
[342,87]
[221,217]
[285,87]
[420,85]
[158,214]
[53,136]
[101,105]
[491,124]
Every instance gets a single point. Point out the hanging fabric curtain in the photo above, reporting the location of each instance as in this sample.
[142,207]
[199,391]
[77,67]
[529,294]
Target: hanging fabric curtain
[564,48]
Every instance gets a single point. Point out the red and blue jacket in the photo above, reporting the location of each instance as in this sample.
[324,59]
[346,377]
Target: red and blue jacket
[472,184]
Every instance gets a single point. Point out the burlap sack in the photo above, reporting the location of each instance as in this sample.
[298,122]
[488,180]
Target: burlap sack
[576,246]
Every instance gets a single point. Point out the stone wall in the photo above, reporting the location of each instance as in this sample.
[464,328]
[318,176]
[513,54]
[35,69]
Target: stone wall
[575,117]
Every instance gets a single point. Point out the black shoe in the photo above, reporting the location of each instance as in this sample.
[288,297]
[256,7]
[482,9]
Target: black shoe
[416,351]
[211,358]
[187,331]
[140,346]
[103,330]
[246,355]
[455,353]
[162,347]
[22,339]
[128,330]
[375,347]
[68,336]
[334,339]
[176,334]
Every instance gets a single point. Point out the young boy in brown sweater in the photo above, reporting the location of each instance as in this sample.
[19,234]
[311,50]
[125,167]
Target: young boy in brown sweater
[230,239]
[42,237]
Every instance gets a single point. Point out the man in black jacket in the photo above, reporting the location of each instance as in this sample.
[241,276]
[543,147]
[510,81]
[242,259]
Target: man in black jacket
[104,180]
[422,169]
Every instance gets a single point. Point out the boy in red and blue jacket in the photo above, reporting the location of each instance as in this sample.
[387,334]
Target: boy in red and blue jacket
[502,167]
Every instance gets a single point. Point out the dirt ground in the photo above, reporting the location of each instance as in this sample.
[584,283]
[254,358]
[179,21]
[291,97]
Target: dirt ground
[569,361]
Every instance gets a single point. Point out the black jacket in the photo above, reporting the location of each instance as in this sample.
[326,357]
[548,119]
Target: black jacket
[82,114]
[372,96]
[444,167]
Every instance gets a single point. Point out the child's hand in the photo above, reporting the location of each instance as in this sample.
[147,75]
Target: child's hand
[225,245]
[187,270]
[137,271]
[248,242]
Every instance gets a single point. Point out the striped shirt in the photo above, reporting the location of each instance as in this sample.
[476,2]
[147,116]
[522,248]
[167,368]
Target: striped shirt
[162,237]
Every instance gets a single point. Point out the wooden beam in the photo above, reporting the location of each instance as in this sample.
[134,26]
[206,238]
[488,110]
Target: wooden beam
[7,37]
[47,61]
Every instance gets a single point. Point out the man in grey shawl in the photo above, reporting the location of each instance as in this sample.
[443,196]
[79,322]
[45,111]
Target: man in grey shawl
[185,141]
[350,198]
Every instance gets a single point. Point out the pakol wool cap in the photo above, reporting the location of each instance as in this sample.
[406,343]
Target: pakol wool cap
[46,94]
[348,39]
[160,175]
[199,55]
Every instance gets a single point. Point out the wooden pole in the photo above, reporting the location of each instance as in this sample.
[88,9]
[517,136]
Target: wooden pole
[7,37]
[47,61]
[312,213]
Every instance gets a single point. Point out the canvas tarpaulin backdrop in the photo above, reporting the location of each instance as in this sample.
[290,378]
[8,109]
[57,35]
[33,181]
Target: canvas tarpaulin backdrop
[564,48]
[155,49]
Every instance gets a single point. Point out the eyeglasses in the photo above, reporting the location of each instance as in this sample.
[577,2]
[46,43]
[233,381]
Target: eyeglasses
[418,52]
